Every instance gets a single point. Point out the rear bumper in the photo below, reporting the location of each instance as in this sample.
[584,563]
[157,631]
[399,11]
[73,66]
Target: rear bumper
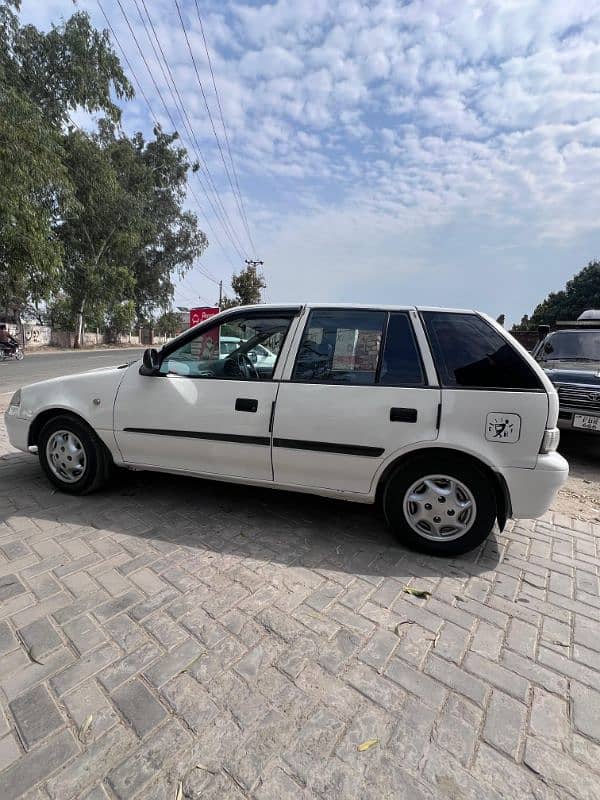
[532,491]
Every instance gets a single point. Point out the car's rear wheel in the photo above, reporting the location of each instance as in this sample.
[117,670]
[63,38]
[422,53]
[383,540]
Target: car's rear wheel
[440,504]
[72,456]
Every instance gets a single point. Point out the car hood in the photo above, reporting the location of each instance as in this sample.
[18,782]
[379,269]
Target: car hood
[586,377]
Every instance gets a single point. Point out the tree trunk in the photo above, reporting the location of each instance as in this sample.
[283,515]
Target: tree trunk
[20,326]
[78,342]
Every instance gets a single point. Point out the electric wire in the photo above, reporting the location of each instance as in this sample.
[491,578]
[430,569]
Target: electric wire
[241,204]
[156,123]
[166,108]
[208,111]
[177,100]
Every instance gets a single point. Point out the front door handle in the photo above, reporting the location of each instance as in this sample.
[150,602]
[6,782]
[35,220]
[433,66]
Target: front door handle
[246,404]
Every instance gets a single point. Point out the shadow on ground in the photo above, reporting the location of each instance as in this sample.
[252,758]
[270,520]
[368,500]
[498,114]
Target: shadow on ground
[267,525]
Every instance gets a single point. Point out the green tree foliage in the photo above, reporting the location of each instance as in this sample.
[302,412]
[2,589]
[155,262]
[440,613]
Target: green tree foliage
[129,231]
[169,237]
[580,293]
[34,184]
[169,323]
[43,76]
[59,313]
[121,318]
[95,233]
[247,286]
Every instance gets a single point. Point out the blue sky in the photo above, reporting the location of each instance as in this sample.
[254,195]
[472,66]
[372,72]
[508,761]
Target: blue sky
[436,152]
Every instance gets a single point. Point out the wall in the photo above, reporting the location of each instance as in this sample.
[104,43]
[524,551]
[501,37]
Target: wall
[42,335]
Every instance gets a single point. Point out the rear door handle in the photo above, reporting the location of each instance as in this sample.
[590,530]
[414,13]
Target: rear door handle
[403,414]
[246,404]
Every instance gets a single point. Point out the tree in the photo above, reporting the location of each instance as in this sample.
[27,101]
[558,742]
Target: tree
[34,184]
[121,318]
[247,286]
[169,323]
[59,313]
[580,293]
[43,76]
[129,232]
[95,234]
[170,240]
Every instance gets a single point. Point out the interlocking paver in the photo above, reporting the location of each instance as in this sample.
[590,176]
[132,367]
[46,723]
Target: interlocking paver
[40,637]
[263,639]
[36,715]
[139,706]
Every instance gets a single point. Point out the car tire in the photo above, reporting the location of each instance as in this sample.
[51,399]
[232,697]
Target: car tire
[458,522]
[72,456]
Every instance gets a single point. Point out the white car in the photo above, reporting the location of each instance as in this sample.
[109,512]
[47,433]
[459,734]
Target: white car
[437,414]
[259,355]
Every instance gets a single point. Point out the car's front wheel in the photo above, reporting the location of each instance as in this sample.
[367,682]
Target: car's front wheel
[72,456]
[440,504]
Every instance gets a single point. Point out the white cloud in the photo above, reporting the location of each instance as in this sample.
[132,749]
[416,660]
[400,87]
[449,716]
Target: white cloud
[395,139]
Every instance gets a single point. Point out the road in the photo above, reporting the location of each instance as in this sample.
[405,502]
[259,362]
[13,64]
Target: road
[41,366]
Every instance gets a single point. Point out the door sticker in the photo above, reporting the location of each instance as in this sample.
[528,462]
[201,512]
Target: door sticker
[501,427]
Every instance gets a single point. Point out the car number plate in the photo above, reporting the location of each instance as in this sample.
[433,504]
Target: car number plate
[588,423]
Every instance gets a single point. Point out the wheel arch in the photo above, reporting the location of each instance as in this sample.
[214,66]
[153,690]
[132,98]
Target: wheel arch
[45,416]
[501,493]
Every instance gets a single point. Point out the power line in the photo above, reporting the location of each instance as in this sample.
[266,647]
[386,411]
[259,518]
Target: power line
[180,106]
[210,116]
[241,205]
[168,113]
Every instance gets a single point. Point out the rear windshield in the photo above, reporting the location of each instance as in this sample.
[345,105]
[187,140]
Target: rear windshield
[469,353]
[571,346]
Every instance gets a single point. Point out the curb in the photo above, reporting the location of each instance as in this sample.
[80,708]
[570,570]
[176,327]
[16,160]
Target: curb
[49,351]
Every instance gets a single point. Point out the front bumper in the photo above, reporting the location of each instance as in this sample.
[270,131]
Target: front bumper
[18,430]
[532,491]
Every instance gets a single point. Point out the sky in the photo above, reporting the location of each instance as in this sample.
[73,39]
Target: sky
[431,152]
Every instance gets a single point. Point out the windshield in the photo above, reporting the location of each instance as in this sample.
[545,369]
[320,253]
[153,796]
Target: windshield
[571,346]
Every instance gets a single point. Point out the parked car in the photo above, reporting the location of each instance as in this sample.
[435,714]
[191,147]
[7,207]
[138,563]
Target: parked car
[571,358]
[437,414]
[260,355]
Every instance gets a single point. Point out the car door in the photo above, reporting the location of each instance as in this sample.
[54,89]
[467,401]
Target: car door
[201,412]
[356,393]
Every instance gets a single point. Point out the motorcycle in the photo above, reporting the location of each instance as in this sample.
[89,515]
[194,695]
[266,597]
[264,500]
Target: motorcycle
[6,355]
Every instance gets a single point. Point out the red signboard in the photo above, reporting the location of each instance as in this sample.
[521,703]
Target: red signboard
[205,347]
[198,315]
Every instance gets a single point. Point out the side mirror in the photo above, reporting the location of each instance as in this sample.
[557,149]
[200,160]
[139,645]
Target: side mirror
[150,362]
[548,348]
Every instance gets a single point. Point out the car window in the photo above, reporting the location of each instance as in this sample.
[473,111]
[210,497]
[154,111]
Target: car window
[340,346]
[401,362]
[469,353]
[570,346]
[228,350]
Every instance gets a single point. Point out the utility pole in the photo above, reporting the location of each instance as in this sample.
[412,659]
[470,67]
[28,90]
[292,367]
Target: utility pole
[220,293]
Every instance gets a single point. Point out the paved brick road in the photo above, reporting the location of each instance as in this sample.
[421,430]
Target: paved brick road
[244,643]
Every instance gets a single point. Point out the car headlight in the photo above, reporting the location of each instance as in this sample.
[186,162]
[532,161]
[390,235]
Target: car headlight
[15,404]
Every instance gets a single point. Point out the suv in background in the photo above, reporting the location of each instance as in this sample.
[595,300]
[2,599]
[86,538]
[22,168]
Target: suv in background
[571,359]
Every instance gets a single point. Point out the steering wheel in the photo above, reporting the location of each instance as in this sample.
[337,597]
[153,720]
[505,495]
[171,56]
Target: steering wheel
[239,364]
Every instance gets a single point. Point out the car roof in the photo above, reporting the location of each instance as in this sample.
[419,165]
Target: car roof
[360,306]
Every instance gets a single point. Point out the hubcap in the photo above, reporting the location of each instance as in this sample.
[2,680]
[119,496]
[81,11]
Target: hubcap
[66,456]
[439,507]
